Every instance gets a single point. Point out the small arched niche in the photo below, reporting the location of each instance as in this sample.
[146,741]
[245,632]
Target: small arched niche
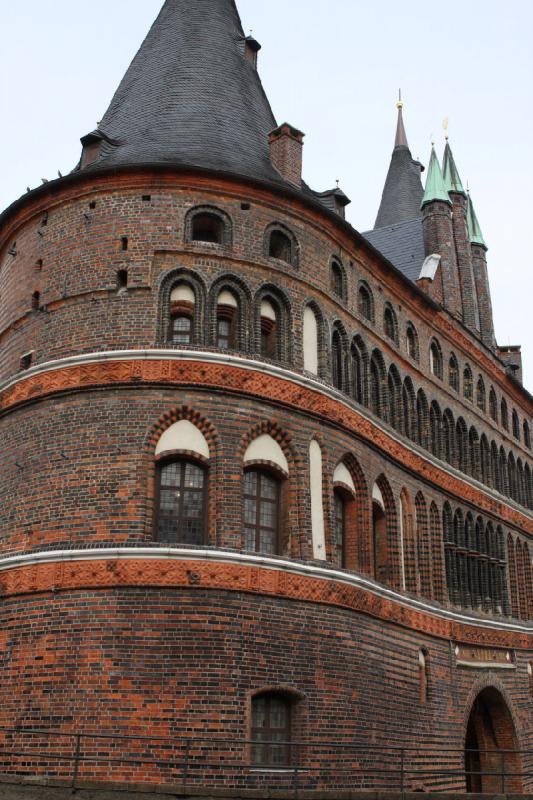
[310,341]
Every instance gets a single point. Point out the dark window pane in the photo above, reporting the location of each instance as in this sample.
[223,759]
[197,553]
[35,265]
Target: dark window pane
[181,503]
[261,500]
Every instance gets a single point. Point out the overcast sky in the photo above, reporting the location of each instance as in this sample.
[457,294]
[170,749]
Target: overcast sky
[333,70]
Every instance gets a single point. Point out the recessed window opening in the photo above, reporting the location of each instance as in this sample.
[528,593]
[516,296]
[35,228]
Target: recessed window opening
[504,415]
[122,279]
[226,320]
[516,425]
[268,330]
[280,247]
[35,300]
[26,361]
[336,279]
[422,677]
[182,305]
[182,503]
[435,359]
[92,205]
[364,303]
[146,198]
[124,243]
[207,228]
[271,729]
[339,510]
[261,511]
[245,206]
[412,343]
[468,384]
[38,265]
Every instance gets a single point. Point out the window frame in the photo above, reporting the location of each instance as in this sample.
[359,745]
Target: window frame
[268,745]
[183,459]
[274,475]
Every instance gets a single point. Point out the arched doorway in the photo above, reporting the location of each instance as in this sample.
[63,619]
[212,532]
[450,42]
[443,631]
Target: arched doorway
[491,766]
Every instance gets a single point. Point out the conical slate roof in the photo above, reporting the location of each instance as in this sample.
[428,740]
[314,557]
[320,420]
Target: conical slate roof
[474,228]
[403,189]
[191,97]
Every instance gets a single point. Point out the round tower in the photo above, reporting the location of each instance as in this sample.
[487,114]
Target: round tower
[251,533]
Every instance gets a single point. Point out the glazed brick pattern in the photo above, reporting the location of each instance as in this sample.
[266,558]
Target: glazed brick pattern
[186,662]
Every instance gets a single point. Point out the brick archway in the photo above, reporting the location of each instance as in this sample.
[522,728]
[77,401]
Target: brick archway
[491,766]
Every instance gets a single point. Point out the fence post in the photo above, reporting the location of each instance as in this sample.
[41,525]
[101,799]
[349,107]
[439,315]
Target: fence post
[77,752]
[402,770]
[186,760]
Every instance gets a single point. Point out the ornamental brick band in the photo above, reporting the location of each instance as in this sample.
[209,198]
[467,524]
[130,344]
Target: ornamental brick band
[64,575]
[259,385]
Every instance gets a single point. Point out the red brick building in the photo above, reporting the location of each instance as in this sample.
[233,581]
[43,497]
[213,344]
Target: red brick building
[266,486]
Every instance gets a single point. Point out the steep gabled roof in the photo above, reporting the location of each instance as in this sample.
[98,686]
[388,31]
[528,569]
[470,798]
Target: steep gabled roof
[403,191]
[191,97]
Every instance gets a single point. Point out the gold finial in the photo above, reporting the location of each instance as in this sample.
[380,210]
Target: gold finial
[399,104]
[445,127]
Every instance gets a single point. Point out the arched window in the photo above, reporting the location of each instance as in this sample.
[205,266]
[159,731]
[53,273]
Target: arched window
[408,409]
[394,386]
[422,417]
[468,384]
[339,516]
[337,371]
[435,429]
[516,425]
[474,454]
[269,330]
[261,511]
[453,373]
[359,358]
[448,437]
[227,308]
[207,227]
[493,405]
[182,308]
[381,548]
[310,340]
[365,302]
[338,279]
[390,323]
[377,398]
[527,434]
[423,677]
[412,342]
[480,394]
[504,414]
[181,496]
[262,494]
[435,359]
[485,462]
[281,245]
[461,445]
[271,729]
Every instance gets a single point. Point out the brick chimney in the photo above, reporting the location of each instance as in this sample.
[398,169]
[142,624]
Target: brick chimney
[286,149]
[251,49]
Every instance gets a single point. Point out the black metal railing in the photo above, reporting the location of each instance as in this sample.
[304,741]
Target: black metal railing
[214,762]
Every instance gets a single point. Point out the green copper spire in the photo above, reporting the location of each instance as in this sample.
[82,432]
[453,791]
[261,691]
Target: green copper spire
[474,231]
[450,173]
[435,188]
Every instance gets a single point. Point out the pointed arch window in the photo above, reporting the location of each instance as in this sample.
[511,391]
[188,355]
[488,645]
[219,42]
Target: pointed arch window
[338,279]
[390,323]
[516,425]
[493,405]
[365,302]
[480,394]
[339,510]
[527,434]
[412,342]
[504,414]
[468,384]
[453,373]
[182,502]
[435,359]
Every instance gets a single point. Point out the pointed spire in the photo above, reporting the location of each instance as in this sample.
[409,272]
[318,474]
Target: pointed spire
[403,188]
[435,188]
[474,229]
[401,136]
[191,97]
[450,173]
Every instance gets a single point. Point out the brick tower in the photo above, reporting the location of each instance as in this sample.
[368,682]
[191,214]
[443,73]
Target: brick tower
[266,491]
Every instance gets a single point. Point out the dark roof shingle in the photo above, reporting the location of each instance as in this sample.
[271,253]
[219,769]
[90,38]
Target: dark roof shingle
[402,244]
